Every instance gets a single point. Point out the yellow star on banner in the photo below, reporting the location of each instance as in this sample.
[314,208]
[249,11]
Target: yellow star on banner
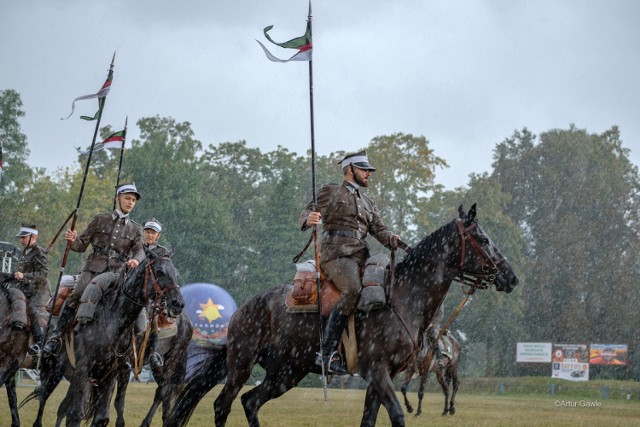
[210,311]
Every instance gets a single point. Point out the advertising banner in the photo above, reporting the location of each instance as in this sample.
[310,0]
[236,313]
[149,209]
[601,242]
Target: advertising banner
[533,352]
[608,354]
[570,362]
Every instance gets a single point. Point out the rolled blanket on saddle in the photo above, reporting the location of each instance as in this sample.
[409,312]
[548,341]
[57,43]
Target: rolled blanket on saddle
[18,317]
[372,296]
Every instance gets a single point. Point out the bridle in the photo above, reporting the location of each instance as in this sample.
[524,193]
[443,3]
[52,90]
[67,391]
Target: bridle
[159,294]
[489,266]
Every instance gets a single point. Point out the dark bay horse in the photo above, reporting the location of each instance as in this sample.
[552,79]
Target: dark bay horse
[101,345]
[447,376]
[13,350]
[169,378]
[285,345]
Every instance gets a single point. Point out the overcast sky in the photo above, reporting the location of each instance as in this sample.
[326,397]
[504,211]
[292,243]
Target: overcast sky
[464,74]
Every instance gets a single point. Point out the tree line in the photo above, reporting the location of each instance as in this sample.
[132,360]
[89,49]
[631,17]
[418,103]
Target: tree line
[562,206]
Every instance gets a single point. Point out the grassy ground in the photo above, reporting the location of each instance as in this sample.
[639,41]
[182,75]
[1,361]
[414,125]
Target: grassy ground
[306,407]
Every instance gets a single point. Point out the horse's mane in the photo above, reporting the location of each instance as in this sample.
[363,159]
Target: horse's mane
[423,250]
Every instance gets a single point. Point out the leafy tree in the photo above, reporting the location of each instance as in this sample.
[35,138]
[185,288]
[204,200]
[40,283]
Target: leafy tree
[576,196]
[16,173]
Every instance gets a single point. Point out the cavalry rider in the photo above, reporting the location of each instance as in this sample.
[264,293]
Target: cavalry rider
[117,243]
[347,216]
[432,334]
[151,234]
[31,278]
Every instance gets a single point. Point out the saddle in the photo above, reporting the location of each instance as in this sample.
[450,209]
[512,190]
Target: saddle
[67,285]
[303,297]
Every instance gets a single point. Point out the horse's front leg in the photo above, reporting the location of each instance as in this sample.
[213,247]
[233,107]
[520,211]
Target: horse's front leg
[102,399]
[157,399]
[76,399]
[423,384]
[445,390]
[381,391]
[121,391]
[10,385]
[453,374]
[404,389]
[371,408]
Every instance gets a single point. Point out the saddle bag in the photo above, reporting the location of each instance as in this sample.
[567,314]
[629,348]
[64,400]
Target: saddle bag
[305,289]
[67,285]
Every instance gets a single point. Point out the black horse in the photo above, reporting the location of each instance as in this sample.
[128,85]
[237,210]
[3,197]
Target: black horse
[285,345]
[446,375]
[13,350]
[101,345]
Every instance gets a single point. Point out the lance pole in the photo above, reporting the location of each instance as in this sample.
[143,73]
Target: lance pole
[121,156]
[316,248]
[74,214]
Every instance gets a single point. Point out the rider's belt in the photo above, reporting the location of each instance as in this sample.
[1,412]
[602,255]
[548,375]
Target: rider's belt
[345,233]
[111,253]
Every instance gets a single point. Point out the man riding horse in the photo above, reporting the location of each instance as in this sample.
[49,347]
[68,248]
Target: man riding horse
[151,235]
[347,216]
[433,330]
[117,243]
[31,278]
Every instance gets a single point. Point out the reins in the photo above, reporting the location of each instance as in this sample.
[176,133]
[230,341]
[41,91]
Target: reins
[392,279]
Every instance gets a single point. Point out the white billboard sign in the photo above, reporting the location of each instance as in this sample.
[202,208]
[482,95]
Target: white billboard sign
[537,352]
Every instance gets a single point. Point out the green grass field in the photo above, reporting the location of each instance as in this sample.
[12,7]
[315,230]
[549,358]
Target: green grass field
[306,407]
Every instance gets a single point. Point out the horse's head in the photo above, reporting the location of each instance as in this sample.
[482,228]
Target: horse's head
[481,262]
[161,281]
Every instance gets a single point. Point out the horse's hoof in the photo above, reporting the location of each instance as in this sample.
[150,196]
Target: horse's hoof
[444,413]
[452,411]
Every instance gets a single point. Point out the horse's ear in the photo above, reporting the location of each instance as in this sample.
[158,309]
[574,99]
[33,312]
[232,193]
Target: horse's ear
[149,253]
[461,213]
[472,213]
[172,252]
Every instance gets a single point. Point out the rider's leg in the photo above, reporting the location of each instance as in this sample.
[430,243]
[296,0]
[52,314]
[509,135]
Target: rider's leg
[92,295]
[345,274]
[155,359]
[433,341]
[67,313]
[38,333]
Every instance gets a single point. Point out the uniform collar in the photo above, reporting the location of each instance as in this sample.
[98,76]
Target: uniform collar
[352,186]
[118,214]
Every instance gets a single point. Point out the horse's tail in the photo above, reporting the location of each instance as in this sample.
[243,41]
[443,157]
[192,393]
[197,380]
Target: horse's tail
[90,408]
[206,367]
[33,395]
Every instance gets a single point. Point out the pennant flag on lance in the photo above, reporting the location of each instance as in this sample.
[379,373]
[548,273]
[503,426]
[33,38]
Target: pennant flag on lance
[115,140]
[101,95]
[302,43]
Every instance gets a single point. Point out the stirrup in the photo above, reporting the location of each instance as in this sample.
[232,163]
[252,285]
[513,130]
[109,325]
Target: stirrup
[333,364]
[52,346]
[155,360]
[33,351]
